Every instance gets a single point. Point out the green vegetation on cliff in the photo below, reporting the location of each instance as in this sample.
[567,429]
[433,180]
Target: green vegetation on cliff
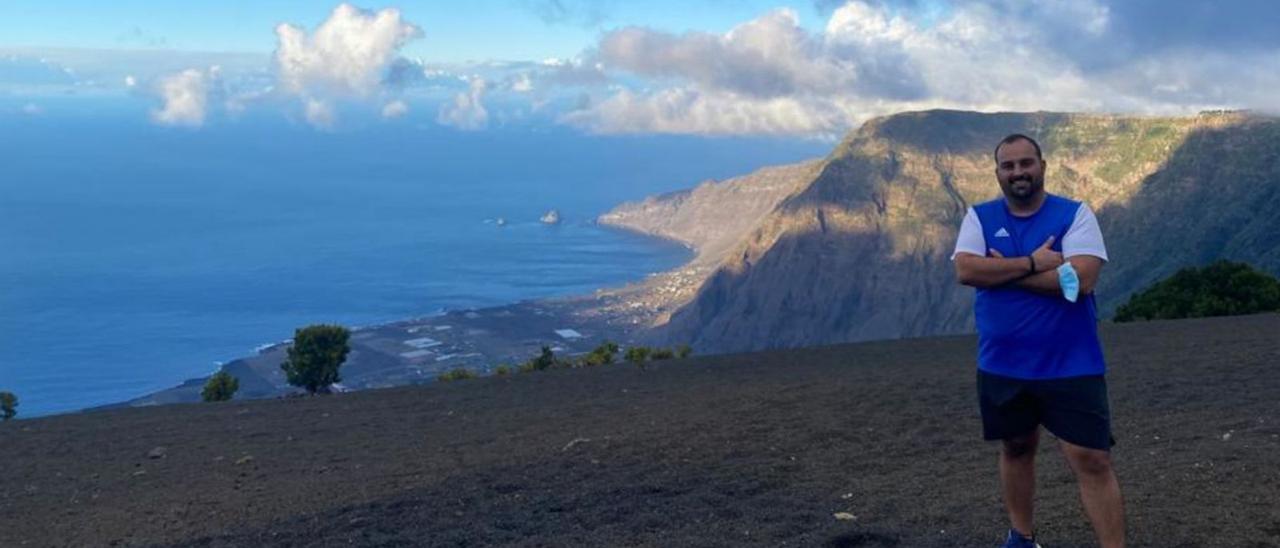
[1223,288]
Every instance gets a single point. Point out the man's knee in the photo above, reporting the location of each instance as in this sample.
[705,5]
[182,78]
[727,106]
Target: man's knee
[1086,461]
[1020,447]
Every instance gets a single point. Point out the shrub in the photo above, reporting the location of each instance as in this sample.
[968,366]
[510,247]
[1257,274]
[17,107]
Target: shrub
[602,355]
[661,354]
[637,354]
[316,355]
[220,387]
[1223,288]
[684,351]
[502,370]
[456,374]
[8,405]
[545,360]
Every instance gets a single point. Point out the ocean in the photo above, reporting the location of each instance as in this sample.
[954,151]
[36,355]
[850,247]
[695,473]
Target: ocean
[133,257]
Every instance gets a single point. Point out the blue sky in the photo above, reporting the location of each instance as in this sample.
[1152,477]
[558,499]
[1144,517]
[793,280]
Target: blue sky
[811,68]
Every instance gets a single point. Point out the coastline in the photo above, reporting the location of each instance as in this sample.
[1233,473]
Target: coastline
[708,220]
[416,350]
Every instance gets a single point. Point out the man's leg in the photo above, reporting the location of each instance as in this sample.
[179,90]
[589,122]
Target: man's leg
[1018,479]
[1099,492]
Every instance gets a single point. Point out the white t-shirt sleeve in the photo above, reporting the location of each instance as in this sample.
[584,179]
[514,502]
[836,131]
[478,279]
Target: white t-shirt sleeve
[970,239]
[1084,237]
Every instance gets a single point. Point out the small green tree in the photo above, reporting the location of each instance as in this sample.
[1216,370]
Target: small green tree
[637,354]
[316,355]
[661,354]
[602,355]
[220,387]
[684,351]
[545,360]
[1223,288]
[8,405]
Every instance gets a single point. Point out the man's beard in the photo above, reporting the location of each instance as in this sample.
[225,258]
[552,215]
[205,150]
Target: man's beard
[1024,187]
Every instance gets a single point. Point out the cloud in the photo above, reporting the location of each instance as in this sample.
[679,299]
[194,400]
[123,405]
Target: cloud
[394,109]
[349,53]
[1156,27]
[186,97]
[24,70]
[32,109]
[522,83]
[467,110]
[575,72]
[771,75]
[319,113]
[769,57]
[690,110]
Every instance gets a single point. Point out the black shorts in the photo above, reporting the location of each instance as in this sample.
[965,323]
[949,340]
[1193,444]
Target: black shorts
[1074,409]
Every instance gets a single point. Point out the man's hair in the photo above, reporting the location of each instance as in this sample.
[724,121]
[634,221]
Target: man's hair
[1013,139]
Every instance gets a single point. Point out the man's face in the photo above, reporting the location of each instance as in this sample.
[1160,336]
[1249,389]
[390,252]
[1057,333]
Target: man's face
[1019,170]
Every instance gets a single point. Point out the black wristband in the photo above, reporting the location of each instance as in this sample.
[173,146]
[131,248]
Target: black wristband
[1033,263]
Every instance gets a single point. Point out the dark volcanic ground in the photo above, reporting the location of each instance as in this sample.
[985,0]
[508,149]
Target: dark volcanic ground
[736,450]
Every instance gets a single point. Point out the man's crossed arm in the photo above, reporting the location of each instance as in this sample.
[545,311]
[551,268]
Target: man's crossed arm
[997,270]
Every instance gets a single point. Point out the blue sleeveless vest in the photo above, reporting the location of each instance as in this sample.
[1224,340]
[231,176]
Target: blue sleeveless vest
[1023,334]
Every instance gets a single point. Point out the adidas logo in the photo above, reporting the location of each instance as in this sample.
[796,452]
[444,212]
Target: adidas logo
[1002,233]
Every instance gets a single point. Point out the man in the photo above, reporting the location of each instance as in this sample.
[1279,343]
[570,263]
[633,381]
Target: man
[1039,358]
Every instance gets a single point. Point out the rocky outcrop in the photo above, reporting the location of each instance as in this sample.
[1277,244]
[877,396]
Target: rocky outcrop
[861,251]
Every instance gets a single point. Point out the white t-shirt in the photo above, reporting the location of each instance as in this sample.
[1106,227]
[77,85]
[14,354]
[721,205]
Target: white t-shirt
[1082,238]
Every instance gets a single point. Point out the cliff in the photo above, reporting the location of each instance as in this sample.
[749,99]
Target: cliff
[715,215]
[861,250]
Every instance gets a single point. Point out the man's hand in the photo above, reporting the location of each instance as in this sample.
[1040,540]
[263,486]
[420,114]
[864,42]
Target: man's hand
[1046,258]
[990,271]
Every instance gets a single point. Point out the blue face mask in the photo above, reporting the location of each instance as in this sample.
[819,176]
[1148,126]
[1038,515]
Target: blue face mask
[1069,282]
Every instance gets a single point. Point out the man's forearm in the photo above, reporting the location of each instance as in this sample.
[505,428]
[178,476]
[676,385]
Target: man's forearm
[1044,283]
[990,271]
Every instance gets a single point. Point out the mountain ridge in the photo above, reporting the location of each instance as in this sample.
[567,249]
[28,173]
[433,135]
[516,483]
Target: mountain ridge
[862,250]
